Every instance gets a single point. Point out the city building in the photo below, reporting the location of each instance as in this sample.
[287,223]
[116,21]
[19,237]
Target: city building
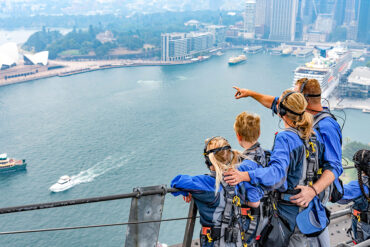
[283,20]
[363,31]
[357,84]
[40,58]
[105,37]
[9,55]
[218,32]
[249,19]
[182,46]
[263,16]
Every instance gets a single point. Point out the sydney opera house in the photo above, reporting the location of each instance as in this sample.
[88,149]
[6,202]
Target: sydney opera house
[13,66]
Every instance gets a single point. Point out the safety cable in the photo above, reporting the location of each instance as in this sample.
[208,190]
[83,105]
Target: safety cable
[138,193]
[93,226]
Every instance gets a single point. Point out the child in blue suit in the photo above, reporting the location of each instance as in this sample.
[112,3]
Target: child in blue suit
[358,192]
[211,195]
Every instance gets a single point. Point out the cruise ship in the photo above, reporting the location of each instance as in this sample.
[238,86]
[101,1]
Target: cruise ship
[327,66]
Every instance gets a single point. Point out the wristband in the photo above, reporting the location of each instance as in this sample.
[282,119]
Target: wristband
[311,186]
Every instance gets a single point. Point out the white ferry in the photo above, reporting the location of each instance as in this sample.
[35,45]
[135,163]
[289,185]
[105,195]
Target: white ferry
[326,69]
[237,60]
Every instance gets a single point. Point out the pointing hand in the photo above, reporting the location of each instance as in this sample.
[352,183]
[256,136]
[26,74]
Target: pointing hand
[242,92]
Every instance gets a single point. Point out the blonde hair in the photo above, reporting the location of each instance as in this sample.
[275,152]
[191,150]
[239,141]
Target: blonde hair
[297,103]
[312,86]
[222,160]
[248,126]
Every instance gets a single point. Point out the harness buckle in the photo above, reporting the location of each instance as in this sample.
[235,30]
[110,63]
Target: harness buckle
[319,172]
[357,214]
[236,201]
[244,211]
[207,232]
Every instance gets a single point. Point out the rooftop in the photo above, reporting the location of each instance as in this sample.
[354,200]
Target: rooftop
[360,75]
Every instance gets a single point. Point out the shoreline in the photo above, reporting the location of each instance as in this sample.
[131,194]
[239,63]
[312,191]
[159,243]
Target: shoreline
[73,68]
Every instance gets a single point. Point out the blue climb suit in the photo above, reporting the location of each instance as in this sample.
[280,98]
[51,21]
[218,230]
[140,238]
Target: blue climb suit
[331,135]
[285,171]
[360,209]
[210,204]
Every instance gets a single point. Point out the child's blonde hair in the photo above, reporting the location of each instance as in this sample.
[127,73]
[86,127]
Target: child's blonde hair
[221,160]
[247,125]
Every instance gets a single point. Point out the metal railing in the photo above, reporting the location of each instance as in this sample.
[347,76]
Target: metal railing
[144,200]
[142,197]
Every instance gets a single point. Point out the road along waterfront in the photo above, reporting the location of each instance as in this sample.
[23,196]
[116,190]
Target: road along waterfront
[116,129]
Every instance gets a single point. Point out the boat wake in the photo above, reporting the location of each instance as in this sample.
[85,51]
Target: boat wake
[104,166]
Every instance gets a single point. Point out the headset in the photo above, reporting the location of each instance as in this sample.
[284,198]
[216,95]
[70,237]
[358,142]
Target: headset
[215,150]
[283,109]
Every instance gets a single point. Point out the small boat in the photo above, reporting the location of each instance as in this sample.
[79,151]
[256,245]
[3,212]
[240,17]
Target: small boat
[7,164]
[219,53]
[287,51]
[64,183]
[237,60]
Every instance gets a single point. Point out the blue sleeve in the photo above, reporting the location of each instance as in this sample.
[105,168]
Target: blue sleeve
[275,174]
[274,105]
[254,193]
[331,135]
[352,191]
[187,183]
[247,165]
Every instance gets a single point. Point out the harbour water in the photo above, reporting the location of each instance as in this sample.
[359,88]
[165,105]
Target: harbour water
[113,130]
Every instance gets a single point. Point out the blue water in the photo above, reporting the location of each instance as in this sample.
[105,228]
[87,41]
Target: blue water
[122,128]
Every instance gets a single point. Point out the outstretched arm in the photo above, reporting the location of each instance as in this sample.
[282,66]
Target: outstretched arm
[263,99]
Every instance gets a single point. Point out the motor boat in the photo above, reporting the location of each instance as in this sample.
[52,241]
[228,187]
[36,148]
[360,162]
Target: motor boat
[64,183]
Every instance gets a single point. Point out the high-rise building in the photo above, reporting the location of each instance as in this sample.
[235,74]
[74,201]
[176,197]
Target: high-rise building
[249,18]
[339,12]
[263,16]
[363,31]
[180,46]
[283,20]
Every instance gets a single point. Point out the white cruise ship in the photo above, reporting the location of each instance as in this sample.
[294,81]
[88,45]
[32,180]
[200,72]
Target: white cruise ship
[327,70]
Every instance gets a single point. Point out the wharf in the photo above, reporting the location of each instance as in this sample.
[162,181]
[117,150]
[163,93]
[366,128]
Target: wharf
[350,103]
[61,68]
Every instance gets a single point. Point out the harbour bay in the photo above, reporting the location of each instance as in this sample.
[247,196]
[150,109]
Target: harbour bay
[122,128]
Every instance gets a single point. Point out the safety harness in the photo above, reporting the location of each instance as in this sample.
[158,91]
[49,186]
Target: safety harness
[360,216]
[311,171]
[260,214]
[257,154]
[231,229]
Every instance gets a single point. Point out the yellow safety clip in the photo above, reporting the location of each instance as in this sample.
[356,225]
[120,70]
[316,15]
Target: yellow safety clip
[310,183]
[307,153]
[273,204]
[242,235]
[313,146]
[250,216]
[245,245]
[236,201]
[209,238]
[319,172]
[358,218]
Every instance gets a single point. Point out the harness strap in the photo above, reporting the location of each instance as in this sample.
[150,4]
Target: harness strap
[321,115]
[361,216]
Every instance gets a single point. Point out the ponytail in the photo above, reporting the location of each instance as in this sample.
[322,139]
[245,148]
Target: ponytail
[304,126]
[222,165]
[303,123]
